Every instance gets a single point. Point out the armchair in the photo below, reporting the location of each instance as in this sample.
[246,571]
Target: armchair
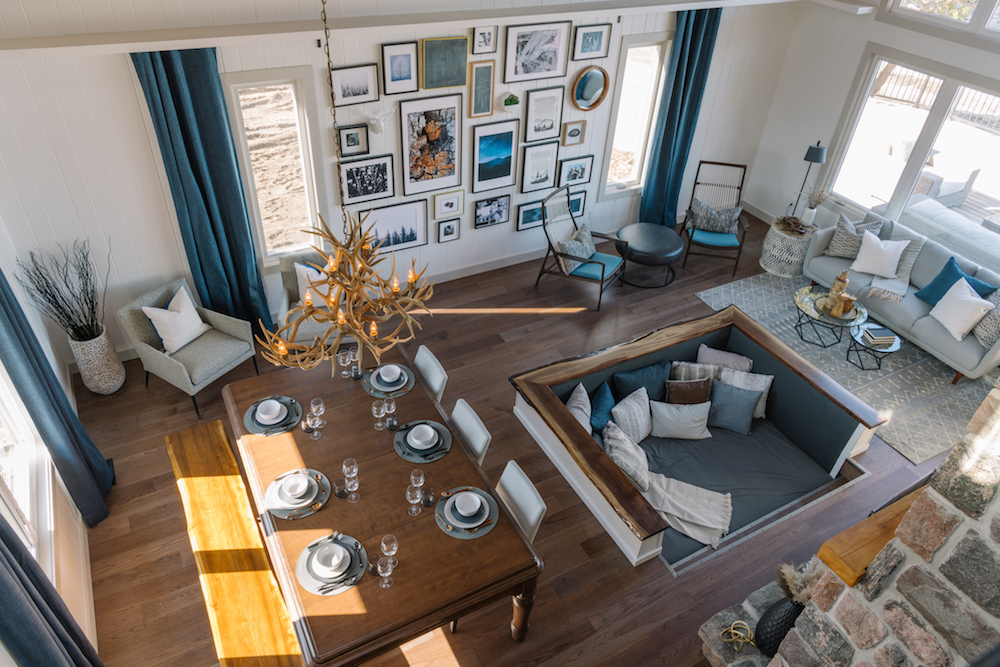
[719,185]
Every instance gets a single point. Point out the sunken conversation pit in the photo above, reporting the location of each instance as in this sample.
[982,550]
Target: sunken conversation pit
[798,453]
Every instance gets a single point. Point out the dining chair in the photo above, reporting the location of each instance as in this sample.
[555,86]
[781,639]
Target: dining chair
[432,371]
[720,186]
[472,428]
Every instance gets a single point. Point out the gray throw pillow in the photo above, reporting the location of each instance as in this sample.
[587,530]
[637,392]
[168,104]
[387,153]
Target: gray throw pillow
[627,455]
[846,241]
[987,332]
[688,370]
[753,382]
[910,253]
[732,408]
[710,355]
[579,406]
[632,415]
[581,244]
[684,422]
[709,219]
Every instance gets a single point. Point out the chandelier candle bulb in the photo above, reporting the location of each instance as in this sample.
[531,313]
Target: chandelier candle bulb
[373,331]
[340,317]
[395,285]
[308,299]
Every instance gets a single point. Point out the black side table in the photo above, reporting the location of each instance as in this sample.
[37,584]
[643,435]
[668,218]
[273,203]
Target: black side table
[650,244]
[864,352]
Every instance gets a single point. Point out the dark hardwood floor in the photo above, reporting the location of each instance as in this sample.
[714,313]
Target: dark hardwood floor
[592,607]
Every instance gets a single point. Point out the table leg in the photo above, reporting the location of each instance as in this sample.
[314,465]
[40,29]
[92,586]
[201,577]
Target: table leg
[523,602]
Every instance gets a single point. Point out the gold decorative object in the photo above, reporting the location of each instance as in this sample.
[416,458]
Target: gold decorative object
[356,301]
[738,634]
[840,303]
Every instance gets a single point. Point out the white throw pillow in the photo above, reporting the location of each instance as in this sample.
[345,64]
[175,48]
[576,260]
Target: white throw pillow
[579,406]
[632,415]
[684,422]
[710,355]
[960,309]
[627,455]
[753,382]
[304,276]
[178,324]
[878,257]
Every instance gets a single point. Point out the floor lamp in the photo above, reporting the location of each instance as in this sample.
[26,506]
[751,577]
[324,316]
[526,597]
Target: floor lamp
[814,155]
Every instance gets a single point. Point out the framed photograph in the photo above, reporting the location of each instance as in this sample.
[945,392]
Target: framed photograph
[591,41]
[529,215]
[536,51]
[399,68]
[399,226]
[576,170]
[538,169]
[494,160]
[484,39]
[367,179]
[355,85]
[574,132]
[354,140]
[492,211]
[431,133]
[444,62]
[576,202]
[448,204]
[544,115]
[449,230]
[481,100]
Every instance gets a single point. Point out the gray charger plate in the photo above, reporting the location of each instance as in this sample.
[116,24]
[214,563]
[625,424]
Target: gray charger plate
[322,497]
[366,382]
[290,421]
[462,533]
[418,456]
[312,583]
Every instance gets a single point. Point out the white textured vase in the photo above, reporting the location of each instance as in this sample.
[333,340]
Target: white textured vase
[807,217]
[101,369]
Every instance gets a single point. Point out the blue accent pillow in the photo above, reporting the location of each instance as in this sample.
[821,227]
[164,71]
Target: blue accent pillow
[732,407]
[600,407]
[653,378]
[951,274]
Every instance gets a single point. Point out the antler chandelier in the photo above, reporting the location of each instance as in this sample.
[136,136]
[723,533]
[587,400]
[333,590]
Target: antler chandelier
[355,301]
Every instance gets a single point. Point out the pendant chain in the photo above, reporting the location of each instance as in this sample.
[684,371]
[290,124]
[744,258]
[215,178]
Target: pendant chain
[333,113]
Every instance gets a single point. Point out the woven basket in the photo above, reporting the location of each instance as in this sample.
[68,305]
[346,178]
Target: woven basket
[101,369]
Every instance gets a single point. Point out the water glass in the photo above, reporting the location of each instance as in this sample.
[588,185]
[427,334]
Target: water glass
[391,422]
[390,545]
[378,409]
[385,570]
[344,359]
[340,488]
[417,478]
[315,423]
[355,371]
[317,407]
[414,496]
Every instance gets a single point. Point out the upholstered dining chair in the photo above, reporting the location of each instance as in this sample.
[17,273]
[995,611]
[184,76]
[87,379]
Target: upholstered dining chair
[472,428]
[199,363]
[720,186]
[431,370]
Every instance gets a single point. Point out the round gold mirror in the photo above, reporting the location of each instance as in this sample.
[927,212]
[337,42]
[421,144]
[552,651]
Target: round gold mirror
[590,88]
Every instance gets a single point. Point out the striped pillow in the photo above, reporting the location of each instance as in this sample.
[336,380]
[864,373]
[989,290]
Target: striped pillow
[846,241]
[709,219]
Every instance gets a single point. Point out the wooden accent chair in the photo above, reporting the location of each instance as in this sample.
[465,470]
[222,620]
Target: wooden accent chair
[719,185]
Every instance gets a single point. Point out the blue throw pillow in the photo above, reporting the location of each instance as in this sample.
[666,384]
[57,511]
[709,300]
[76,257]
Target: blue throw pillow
[600,407]
[653,378]
[951,274]
[732,407]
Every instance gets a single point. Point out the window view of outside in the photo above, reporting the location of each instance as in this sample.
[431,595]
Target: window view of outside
[994,22]
[956,10]
[635,108]
[15,468]
[271,122]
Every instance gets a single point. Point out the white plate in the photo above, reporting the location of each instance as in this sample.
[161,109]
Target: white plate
[382,385]
[276,499]
[456,519]
[430,445]
[282,413]
[347,563]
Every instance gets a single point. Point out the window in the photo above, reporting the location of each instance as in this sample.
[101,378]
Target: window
[19,449]
[957,20]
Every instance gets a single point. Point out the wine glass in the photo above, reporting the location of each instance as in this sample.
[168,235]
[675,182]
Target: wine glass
[355,372]
[344,359]
[317,407]
[414,495]
[385,570]
[390,545]
[350,468]
[352,487]
[315,423]
[378,409]
[390,418]
[417,479]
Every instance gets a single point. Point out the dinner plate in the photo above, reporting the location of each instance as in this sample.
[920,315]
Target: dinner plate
[436,451]
[282,413]
[423,448]
[456,519]
[320,586]
[291,418]
[276,499]
[382,385]
[311,568]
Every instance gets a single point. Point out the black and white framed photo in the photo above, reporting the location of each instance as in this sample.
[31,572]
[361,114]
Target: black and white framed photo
[399,226]
[544,114]
[449,230]
[529,215]
[355,85]
[444,62]
[575,170]
[449,204]
[538,170]
[484,39]
[367,179]
[494,160]
[492,211]
[399,68]
[574,132]
[576,202]
[591,41]
[481,99]
[431,133]
[536,51]
[354,140]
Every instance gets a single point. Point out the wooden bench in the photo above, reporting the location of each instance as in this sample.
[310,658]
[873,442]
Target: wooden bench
[250,623]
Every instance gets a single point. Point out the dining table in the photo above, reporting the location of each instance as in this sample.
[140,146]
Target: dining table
[441,574]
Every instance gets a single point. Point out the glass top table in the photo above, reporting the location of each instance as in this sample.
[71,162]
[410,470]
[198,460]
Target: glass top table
[816,327]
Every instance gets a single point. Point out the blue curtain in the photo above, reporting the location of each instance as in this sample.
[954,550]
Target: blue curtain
[83,469]
[684,85]
[185,99]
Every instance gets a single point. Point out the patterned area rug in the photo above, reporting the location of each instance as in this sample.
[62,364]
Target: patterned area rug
[927,414]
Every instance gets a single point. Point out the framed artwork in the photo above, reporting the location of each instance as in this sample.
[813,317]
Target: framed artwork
[484,39]
[494,160]
[538,169]
[444,62]
[355,85]
[448,204]
[574,132]
[399,226]
[481,100]
[431,133]
[591,41]
[576,202]
[449,230]
[529,215]
[544,115]
[354,140]
[575,171]
[399,68]
[367,179]
[536,51]
[492,211]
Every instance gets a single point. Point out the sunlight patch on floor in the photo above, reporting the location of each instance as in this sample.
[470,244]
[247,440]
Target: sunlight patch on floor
[432,648]
[504,311]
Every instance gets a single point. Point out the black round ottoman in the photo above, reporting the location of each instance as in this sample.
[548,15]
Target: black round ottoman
[650,244]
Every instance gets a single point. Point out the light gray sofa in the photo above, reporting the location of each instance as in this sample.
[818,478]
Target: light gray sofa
[910,318]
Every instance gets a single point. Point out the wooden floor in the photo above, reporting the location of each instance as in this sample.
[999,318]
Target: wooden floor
[592,607]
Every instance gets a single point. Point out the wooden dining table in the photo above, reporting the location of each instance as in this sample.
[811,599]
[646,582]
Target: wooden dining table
[439,577]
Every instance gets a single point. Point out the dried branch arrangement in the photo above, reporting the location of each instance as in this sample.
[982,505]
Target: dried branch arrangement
[797,582]
[815,196]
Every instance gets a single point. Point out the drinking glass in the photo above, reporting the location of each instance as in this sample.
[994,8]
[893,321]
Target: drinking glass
[378,409]
[315,423]
[340,488]
[355,371]
[391,422]
[385,569]
[317,407]
[344,359]
[417,478]
[350,468]
[413,496]
[352,486]
[390,545]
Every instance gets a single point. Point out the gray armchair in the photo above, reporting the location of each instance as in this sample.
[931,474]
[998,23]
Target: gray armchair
[199,363]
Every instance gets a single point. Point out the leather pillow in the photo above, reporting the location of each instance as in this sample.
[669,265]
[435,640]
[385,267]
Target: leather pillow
[689,392]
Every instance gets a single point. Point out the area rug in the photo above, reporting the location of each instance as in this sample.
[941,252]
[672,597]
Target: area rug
[927,414]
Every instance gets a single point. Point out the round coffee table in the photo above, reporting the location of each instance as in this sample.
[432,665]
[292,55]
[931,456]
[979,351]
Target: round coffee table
[650,244]
[862,348]
[826,330]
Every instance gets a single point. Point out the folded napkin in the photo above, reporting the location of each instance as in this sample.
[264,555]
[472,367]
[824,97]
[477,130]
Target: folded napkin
[700,514]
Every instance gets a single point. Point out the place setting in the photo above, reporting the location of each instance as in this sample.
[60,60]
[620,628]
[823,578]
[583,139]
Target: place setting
[388,380]
[272,415]
[297,494]
[331,564]
[422,441]
[466,512]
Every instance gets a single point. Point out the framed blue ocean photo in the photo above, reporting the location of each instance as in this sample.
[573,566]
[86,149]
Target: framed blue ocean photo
[495,155]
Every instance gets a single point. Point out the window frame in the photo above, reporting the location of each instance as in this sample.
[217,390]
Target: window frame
[975,33]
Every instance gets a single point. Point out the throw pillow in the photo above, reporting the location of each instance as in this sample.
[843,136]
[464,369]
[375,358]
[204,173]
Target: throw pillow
[627,455]
[632,415]
[581,244]
[600,407]
[305,276]
[753,382]
[710,355]
[909,256]
[178,324]
[688,370]
[846,241]
[949,275]
[987,332]
[579,406]
[708,219]
[878,257]
[686,392]
[732,407]
[684,422]
[651,377]
[960,309]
